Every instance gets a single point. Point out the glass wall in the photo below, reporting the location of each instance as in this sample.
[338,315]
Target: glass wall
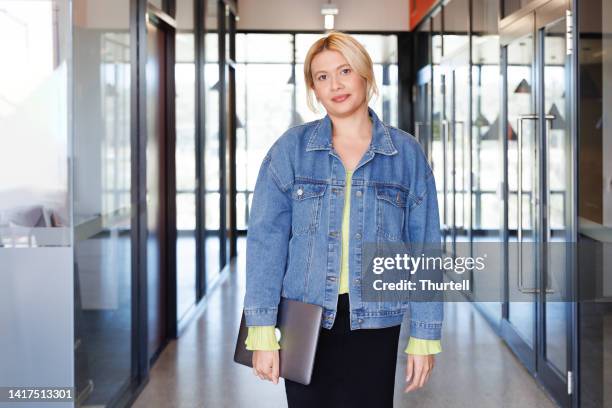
[266,83]
[422,69]
[34,195]
[595,199]
[36,246]
[456,71]
[102,200]
[486,145]
[458,99]
[185,82]
[272,95]
[438,142]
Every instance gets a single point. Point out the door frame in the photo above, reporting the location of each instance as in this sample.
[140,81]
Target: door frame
[534,19]
[166,24]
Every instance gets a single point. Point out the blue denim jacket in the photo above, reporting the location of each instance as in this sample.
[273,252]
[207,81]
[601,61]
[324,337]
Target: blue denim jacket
[293,240]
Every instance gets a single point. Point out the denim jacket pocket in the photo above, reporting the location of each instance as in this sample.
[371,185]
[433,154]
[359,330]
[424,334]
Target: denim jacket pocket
[306,211]
[391,209]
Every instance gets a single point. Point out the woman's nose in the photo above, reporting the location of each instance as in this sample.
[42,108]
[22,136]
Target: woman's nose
[336,83]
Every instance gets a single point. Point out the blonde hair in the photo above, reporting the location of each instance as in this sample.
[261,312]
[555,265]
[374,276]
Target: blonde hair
[355,54]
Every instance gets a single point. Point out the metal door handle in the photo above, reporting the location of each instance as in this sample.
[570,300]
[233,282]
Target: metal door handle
[519,205]
[549,119]
[521,118]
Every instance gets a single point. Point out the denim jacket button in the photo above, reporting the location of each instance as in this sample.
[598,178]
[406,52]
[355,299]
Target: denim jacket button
[358,193]
[300,192]
[357,236]
[360,320]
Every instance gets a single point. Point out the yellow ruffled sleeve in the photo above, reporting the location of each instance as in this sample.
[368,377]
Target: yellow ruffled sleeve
[262,338]
[422,347]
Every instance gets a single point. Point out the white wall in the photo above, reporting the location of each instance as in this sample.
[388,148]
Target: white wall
[353,15]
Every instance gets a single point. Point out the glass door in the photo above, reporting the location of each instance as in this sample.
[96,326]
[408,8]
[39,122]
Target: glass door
[522,182]
[537,320]
[555,315]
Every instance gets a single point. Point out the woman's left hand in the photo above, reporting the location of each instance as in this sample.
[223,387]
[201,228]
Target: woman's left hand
[418,369]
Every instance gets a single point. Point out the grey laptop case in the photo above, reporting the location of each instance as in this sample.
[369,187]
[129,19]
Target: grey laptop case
[299,324]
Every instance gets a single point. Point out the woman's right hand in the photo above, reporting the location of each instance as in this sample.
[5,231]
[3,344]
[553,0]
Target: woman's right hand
[266,365]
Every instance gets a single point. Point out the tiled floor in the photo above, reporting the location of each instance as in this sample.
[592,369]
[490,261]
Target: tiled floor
[475,369]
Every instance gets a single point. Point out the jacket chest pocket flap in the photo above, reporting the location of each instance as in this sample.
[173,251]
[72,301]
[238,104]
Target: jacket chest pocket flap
[391,211]
[306,212]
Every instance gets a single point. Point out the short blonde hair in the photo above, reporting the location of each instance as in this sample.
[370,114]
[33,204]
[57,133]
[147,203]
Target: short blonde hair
[355,54]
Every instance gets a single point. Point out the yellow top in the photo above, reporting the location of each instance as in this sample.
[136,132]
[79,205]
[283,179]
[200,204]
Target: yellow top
[264,337]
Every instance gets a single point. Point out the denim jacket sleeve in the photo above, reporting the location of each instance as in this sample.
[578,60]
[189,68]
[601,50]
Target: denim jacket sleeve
[423,232]
[267,243]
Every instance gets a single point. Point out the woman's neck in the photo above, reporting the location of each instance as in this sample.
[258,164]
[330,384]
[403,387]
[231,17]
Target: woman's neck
[356,127]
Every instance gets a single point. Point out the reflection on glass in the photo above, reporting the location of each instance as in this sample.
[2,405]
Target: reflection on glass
[486,104]
[556,69]
[462,154]
[448,142]
[594,196]
[34,208]
[242,163]
[455,47]
[185,159]
[422,125]
[485,131]
[521,185]
[102,204]
[437,144]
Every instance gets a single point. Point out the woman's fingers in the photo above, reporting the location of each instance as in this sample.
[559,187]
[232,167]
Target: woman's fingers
[266,365]
[275,367]
[409,368]
[421,367]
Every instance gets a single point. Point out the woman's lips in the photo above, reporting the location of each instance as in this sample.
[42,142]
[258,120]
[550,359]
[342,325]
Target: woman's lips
[340,98]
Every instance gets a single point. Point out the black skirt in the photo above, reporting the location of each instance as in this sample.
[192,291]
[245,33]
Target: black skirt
[352,368]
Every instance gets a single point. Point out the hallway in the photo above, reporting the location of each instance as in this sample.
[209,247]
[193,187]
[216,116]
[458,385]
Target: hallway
[475,369]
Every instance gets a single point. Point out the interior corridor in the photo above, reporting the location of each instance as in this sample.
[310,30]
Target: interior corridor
[475,368]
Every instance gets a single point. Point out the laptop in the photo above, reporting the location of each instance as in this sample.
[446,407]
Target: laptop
[299,324]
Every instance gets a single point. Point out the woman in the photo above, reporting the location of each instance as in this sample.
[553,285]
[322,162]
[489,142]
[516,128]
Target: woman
[349,172]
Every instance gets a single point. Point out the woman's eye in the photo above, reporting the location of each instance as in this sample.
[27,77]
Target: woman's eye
[346,70]
[321,77]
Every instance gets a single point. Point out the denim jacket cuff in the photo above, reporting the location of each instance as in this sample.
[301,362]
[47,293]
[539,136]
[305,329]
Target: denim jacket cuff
[426,330]
[261,316]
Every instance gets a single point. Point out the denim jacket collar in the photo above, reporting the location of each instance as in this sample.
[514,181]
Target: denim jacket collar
[381,140]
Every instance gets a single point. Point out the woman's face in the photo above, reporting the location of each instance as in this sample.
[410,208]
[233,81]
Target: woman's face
[337,86]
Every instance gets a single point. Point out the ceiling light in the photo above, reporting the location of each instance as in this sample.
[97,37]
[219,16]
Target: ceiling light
[328,11]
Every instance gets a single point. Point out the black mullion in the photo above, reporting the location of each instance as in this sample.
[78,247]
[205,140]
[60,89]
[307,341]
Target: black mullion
[221,135]
[138,126]
[170,240]
[200,134]
[505,225]
[233,251]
